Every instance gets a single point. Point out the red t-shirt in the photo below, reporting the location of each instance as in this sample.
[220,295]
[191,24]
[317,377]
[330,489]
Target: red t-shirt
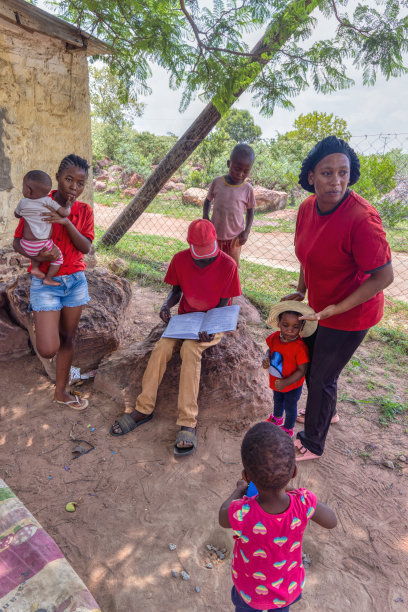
[203,287]
[81,216]
[337,251]
[286,357]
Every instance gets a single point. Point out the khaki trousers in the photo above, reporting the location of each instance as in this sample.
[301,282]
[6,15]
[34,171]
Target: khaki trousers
[191,354]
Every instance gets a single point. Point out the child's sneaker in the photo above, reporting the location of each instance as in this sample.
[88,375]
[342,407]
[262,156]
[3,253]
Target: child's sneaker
[288,431]
[275,420]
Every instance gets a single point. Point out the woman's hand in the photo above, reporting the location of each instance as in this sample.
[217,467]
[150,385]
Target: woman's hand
[165,313]
[327,312]
[45,255]
[54,217]
[298,296]
[265,363]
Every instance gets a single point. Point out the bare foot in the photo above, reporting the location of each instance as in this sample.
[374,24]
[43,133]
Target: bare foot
[52,283]
[183,444]
[136,416]
[37,273]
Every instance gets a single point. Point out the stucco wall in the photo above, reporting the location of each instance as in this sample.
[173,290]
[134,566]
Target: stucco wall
[44,112]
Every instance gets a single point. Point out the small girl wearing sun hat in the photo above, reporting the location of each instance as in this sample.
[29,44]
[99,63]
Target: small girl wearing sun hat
[287,358]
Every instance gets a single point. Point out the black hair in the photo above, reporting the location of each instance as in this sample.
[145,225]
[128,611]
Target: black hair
[243,151]
[71,161]
[292,312]
[268,456]
[327,146]
[38,176]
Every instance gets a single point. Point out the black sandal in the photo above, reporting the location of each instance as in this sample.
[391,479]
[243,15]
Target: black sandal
[127,424]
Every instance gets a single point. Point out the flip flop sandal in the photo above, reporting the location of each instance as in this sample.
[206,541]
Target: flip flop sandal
[127,424]
[79,403]
[301,417]
[185,436]
[305,453]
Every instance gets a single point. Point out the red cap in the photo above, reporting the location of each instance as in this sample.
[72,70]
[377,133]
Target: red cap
[202,239]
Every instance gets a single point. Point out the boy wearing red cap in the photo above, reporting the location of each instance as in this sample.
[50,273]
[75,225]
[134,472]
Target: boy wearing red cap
[202,278]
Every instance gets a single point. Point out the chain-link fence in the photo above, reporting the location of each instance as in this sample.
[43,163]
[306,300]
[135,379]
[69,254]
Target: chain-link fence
[269,267]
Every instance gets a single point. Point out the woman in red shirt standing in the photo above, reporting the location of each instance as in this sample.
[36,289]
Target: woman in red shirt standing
[57,310]
[345,265]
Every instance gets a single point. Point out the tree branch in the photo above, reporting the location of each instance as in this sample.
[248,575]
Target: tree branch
[346,25]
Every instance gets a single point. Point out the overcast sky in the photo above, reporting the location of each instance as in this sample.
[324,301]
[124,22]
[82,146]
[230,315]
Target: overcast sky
[367,110]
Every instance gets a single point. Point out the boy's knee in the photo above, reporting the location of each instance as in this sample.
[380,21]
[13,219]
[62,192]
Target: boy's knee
[190,349]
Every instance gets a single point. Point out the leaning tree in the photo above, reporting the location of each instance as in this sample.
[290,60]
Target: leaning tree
[203,49]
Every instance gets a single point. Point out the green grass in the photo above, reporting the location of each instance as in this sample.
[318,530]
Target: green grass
[280,225]
[148,257]
[168,204]
[387,407]
[398,237]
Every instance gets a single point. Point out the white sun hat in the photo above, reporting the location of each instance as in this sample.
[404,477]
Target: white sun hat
[295,306]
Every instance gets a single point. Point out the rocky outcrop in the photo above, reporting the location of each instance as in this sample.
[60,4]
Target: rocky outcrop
[233,383]
[247,310]
[268,200]
[100,325]
[13,339]
[195,196]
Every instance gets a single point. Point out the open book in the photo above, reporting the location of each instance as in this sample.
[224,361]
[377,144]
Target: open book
[187,326]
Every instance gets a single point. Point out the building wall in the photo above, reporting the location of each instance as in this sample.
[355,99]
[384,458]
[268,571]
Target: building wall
[44,112]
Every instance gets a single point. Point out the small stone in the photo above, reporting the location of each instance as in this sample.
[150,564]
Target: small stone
[388,464]
[209,565]
[197,589]
[402,458]
[399,600]
[223,550]
[185,576]
[174,573]
[219,554]
[208,547]
[172,546]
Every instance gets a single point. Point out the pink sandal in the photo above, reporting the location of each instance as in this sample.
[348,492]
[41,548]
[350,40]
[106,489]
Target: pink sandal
[301,417]
[303,454]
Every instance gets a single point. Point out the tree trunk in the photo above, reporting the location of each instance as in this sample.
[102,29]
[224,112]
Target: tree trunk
[277,33]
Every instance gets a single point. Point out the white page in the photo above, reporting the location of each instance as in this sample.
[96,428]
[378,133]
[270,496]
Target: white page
[185,326]
[220,319]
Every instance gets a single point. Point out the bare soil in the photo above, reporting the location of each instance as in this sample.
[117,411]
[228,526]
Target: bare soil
[134,498]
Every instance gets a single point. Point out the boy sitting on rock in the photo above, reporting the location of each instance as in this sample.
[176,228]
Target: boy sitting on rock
[202,278]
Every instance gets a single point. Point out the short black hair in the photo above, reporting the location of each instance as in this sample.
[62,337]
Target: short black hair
[38,176]
[292,312]
[268,456]
[71,161]
[243,151]
[327,146]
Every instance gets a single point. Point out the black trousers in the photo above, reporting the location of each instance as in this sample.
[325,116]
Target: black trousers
[329,350]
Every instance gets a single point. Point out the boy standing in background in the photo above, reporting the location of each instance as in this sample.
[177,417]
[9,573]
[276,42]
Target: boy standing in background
[232,197]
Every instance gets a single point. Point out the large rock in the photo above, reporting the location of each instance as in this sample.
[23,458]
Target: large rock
[247,310]
[99,329]
[233,383]
[100,185]
[268,200]
[13,339]
[194,195]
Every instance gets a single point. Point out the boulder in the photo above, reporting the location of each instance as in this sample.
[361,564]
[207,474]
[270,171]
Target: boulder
[194,195]
[130,192]
[135,180]
[247,310]
[233,383]
[100,185]
[99,329]
[13,339]
[268,200]
[119,266]
[115,168]
[11,263]
[102,163]
[112,189]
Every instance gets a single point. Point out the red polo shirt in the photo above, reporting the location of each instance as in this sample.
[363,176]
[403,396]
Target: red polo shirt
[203,287]
[337,251]
[81,216]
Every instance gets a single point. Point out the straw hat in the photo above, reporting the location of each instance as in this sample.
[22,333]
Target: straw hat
[309,327]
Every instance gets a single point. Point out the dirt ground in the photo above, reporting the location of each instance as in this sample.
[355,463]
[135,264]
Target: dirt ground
[134,498]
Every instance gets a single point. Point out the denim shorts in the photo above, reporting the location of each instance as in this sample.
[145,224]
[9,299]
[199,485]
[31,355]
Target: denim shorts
[72,291]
